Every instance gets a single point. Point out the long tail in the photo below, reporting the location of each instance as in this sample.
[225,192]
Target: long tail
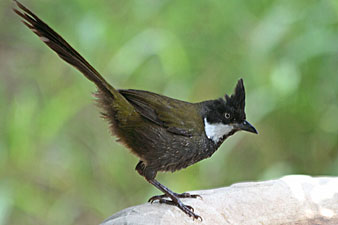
[63,49]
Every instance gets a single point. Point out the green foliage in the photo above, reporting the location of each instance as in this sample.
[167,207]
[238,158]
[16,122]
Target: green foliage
[58,162]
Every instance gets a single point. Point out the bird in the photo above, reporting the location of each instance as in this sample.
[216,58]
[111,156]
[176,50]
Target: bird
[166,134]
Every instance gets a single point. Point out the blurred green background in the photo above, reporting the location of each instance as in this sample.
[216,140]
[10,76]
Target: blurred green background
[58,162]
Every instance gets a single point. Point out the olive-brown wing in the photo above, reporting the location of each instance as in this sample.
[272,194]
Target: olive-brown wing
[178,117]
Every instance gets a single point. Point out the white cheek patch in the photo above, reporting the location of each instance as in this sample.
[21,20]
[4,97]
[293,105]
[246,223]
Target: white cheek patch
[216,131]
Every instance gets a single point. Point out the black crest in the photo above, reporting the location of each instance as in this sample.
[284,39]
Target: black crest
[237,100]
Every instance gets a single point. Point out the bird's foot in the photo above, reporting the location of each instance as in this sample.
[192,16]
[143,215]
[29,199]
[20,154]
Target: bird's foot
[187,209]
[183,195]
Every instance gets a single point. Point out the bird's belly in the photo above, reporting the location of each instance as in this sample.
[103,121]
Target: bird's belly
[165,151]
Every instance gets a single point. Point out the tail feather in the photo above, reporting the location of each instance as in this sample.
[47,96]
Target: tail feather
[63,49]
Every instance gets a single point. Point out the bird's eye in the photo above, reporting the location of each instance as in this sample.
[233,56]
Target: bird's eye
[227,115]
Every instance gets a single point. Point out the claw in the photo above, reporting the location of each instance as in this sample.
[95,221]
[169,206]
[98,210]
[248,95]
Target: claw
[199,196]
[152,199]
[197,217]
[196,196]
[187,209]
[190,208]
[156,197]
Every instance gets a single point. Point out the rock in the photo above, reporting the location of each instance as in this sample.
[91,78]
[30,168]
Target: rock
[294,199]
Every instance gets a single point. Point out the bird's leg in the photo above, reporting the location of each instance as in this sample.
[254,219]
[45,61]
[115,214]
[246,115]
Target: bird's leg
[140,168]
[150,177]
[187,209]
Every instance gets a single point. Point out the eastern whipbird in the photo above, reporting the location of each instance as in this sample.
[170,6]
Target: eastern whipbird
[165,134]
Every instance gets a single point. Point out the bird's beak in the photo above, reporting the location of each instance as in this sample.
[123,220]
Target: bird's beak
[246,126]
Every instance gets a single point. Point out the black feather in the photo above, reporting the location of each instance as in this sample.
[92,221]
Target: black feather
[237,100]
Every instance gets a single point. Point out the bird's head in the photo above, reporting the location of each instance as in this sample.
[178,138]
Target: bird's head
[225,116]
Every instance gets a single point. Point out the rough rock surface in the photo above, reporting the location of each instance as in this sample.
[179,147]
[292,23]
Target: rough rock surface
[294,199]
